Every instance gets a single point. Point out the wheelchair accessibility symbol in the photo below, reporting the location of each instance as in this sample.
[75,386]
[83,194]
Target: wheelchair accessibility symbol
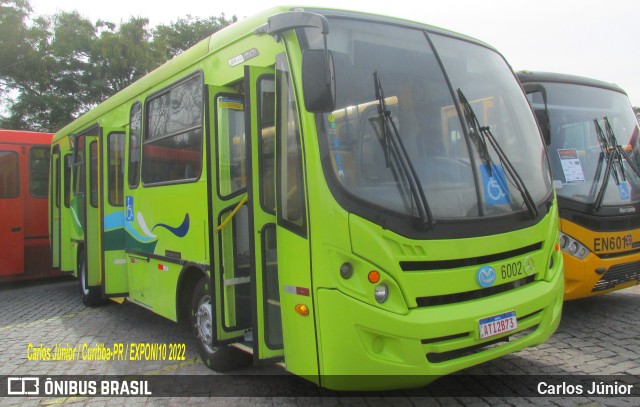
[623,188]
[129,208]
[495,186]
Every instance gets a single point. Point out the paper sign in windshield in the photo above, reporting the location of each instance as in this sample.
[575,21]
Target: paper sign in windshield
[571,167]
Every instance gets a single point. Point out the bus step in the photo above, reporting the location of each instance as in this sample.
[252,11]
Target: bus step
[243,347]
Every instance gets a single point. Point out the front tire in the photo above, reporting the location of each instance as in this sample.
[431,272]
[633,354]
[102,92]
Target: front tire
[222,358]
[91,296]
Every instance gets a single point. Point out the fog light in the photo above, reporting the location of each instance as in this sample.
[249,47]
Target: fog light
[381,293]
[346,270]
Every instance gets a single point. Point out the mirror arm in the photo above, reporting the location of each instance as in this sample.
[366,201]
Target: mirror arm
[289,20]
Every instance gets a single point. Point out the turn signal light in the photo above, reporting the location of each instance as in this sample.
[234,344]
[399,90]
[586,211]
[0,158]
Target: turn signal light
[302,310]
[374,277]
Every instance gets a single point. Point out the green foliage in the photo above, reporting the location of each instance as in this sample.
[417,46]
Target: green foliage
[172,39]
[53,69]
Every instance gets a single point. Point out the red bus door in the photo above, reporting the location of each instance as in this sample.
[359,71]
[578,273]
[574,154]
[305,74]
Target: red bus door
[11,210]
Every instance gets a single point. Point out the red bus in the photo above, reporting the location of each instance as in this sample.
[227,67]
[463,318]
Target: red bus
[24,187]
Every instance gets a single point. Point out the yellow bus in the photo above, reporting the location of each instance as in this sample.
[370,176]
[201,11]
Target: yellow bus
[592,139]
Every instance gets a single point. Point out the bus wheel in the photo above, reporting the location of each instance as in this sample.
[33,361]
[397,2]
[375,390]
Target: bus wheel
[222,358]
[91,296]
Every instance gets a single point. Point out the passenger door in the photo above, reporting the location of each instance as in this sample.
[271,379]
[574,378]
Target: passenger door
[88,201]
[115,277]
[55,202]
[260,117]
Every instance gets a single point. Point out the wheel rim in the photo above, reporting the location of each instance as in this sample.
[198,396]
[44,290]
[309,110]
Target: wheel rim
[204,324]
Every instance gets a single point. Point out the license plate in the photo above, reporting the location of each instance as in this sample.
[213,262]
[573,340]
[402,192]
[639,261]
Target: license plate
[497,324]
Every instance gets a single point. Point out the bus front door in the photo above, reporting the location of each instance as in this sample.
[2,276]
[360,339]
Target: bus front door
[11,210]
[260,118]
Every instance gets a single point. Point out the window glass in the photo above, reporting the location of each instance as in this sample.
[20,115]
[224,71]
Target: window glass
[93,173]
[116,169]
[172,149]
[67,180]
[231,145]
[291,189]
[39,158]
[267,144]
[135,133]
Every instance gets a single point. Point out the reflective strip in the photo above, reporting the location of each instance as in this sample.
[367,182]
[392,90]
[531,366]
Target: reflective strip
[237,280]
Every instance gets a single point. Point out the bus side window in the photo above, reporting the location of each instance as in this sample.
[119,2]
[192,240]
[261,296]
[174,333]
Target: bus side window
[39,171]
[172,147]
[135,133]
[291,203]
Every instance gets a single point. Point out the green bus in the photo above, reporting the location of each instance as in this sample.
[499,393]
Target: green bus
[365,200]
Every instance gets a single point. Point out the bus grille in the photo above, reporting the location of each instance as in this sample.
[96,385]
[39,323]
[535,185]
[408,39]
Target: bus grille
[618,274]
[439,357]
[472,295]
[613,224]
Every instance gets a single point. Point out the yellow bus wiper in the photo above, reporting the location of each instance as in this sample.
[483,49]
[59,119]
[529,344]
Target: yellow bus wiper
[392,141]
[615,154]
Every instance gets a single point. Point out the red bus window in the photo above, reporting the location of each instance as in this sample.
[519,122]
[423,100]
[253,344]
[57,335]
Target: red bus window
[39,171]
[9,176]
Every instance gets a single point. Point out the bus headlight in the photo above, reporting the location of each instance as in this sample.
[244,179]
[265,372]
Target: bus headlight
[381,293]
[573,247]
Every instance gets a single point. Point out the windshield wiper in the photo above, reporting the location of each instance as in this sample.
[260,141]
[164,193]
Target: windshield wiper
[615,155]
[482,133]
[392,141]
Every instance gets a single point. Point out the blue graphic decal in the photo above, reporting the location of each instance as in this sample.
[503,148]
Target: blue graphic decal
[114,221]
[180,231]
[495,187]
[486,276]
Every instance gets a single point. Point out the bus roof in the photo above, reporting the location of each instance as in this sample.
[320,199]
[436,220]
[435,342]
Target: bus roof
[218,40]
[528,76]
[24,137]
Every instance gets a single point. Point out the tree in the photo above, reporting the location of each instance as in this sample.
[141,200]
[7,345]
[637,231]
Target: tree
[53,69]
[170,40]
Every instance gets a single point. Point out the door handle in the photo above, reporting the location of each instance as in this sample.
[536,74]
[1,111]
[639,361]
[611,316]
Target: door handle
[16,229]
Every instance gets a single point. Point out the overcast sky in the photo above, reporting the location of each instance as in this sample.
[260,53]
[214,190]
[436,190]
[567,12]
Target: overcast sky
[594,38]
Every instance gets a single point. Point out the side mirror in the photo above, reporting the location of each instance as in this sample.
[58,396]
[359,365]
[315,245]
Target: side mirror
[542,115]
[318,81]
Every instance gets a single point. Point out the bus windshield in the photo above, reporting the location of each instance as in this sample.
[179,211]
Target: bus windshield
[421,74]
[577,158]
